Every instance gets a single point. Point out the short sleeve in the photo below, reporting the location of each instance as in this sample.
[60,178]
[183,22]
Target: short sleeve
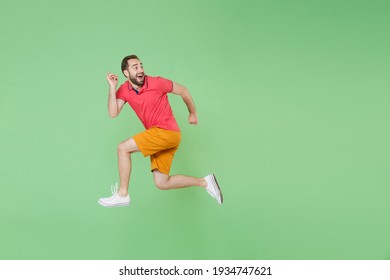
[121,92]
[164,85]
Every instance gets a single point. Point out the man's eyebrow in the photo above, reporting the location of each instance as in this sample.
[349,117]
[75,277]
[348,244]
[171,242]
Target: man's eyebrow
[135,64]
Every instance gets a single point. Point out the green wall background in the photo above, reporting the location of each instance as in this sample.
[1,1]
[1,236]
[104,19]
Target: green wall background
[293,101]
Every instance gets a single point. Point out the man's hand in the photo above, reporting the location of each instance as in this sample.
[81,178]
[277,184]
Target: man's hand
[112,79]
[193,119]
[114,105]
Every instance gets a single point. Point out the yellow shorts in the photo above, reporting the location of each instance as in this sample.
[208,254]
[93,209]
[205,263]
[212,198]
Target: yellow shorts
[161,145]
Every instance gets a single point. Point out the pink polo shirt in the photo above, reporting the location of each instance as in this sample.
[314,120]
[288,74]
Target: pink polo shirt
[151,102]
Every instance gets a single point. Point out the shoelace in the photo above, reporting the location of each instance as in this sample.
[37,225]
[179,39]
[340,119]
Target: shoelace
[114,189]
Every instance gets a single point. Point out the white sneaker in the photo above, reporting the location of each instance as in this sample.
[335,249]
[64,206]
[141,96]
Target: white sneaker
[115,200]
[213,188]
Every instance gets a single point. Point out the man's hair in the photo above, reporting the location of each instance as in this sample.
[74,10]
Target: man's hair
[124,64]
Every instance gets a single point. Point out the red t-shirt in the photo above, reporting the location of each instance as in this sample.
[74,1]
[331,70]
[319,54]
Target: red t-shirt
[151,102]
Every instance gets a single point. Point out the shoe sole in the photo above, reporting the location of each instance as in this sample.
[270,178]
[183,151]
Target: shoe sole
[216,184]
[113,205]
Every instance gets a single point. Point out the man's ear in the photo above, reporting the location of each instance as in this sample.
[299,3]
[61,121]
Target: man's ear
[126,73]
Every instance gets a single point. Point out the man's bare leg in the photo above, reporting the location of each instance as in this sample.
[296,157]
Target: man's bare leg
[166,182]
[125,149]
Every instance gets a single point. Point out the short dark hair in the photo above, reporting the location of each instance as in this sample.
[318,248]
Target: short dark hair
[124,64]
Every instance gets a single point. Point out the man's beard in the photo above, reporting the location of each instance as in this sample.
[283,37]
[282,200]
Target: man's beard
[136,82]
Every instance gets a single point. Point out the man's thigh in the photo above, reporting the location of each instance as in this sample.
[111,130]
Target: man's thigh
[162,161]
[155,140]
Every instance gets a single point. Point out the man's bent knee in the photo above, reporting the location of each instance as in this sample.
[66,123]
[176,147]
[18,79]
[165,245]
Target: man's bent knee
[128,146]
[161,184]
[161,180]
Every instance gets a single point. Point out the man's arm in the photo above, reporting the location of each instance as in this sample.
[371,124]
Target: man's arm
[114,105]
[185,94]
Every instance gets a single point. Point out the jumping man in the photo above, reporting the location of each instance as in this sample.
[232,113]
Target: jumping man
[147,96]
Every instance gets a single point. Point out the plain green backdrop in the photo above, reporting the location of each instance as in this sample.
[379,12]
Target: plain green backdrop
[293,103]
